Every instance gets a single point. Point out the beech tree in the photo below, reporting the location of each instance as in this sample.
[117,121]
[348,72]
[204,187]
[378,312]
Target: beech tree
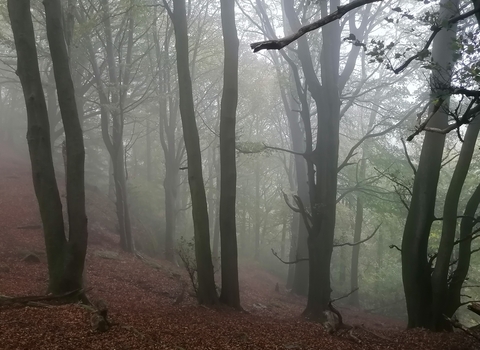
[230,294]
[66,258]
[207,293]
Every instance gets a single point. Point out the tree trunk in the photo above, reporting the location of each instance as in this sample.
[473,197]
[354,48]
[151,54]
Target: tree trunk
[294,225]
[354,298]
[230,294]
[207,293]
[256,223]
[463,265]
[449,228]
[38,137]
[75,174]
[415,268]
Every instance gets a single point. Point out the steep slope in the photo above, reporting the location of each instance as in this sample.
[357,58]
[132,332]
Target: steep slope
[141,295]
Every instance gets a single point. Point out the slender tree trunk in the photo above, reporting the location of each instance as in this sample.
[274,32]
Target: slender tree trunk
[284,237]
[464,254]
[294,225]
[230,294]
[207,293]
[216,225]
[148,153]
[354,298]
[257,211]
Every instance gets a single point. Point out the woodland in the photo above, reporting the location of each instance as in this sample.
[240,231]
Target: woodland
[244,174]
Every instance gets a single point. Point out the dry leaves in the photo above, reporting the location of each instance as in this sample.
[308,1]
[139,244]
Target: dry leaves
[140,298]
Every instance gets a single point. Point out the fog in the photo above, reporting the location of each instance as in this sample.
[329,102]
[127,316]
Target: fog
[365,132]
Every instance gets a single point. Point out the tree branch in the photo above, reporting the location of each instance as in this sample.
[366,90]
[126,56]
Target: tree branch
[409,160]
[278,44]
[435,30]
[392,246]
[288,262]
[359,242]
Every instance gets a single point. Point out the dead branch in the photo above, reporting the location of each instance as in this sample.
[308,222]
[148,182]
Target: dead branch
[6,300]
[474,307]
[288,262]
[391,246]
[278,44]
[307,218]
[458,325]
[359,242]
[344,296]
[287,201]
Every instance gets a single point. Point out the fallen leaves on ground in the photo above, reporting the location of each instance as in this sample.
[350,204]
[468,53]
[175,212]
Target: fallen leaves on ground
[140,297]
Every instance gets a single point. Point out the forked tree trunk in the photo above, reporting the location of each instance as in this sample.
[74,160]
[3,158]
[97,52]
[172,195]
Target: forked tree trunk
[75,169]
[38,137]
[416,271]
[65,259]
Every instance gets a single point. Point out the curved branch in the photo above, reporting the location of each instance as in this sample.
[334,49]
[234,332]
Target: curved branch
[359,242]
[288,262]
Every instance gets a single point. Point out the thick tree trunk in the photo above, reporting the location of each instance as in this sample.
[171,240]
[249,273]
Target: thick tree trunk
[230,294]
[75,169]
[415,268]
[38,137]
[207,293]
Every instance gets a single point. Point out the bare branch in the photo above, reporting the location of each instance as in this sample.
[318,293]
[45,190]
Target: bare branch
[409,160]
[344,296]
[278,44]
[287,201]
[359,242]
[392,246]
[288,262]
[435,31]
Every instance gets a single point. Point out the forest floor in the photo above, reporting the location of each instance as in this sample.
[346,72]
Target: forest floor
[141,295]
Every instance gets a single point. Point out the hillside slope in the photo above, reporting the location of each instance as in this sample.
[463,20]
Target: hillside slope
[140,295]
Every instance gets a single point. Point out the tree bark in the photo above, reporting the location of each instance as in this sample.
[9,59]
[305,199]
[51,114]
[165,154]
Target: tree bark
[207,293]
[230,294]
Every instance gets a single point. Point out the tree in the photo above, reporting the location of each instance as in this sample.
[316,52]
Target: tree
[65,258]
[230,294]
[207,293]
[415,266]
